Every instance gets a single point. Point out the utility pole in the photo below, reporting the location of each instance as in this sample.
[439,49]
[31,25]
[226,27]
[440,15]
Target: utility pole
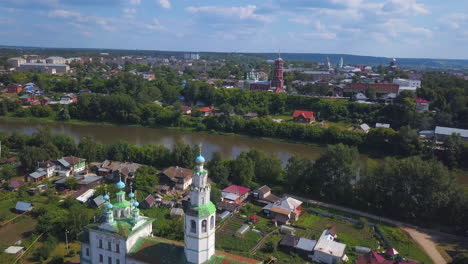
[66,239]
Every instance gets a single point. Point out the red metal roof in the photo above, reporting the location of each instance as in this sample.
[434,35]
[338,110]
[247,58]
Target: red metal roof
[236,189]
[206,109]
[420,100]
[305,114]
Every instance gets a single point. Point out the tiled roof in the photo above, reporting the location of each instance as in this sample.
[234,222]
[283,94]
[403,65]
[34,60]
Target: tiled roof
[236,189]
[304,114]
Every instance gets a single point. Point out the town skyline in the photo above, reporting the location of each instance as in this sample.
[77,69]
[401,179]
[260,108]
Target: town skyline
[391,28]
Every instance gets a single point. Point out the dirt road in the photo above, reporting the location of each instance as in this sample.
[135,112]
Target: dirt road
[426,242]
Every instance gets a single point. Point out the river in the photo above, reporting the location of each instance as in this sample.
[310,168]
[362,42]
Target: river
[230,146]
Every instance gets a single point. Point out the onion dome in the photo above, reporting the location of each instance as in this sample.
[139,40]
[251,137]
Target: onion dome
[200,159]
[131,195]
[135,204]
[109,206]
[106,197]
[120,185]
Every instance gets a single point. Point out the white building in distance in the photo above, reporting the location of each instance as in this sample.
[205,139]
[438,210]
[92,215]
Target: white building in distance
[406,84]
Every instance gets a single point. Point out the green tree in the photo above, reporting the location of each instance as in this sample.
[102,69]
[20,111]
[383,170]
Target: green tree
[182,155]
[335,172]
[243,170]
[146,178]
[63,114]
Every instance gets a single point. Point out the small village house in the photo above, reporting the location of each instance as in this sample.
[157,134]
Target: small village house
[177,177]
[327,250]
[263,196]
[67,166]
[23,207]
[421,105]
[14,250]
[148,202]
[284,210]
[300,116]
[234,194]
[14,185]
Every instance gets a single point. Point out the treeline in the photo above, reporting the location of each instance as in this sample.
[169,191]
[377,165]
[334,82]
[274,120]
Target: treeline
[411,189]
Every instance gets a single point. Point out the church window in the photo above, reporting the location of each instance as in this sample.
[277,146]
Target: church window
[101,258]
[100,243]
[109,260]
[212,222]
[117,248]
[193,226]
[87,252]
[203,226]
[109,245]
[117,261]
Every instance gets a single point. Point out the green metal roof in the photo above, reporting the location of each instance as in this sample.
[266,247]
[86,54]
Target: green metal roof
[202,211]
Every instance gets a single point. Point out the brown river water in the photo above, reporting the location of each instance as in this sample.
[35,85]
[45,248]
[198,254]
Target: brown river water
[230,146]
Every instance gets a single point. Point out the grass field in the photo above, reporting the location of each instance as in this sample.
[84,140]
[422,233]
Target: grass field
[227,240]
[348,233]
[404,244]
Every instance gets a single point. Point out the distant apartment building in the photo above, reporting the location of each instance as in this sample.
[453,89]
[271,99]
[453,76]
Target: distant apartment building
[406,84]
[16,62]
[44,68]
[191,56]
[55,60]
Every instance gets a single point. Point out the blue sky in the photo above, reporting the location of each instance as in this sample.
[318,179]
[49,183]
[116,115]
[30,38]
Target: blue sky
[393,28]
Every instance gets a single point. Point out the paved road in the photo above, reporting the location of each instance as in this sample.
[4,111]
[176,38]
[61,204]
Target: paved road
[424,237]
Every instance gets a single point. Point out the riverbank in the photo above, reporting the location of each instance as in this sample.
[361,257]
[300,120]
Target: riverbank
[229,144]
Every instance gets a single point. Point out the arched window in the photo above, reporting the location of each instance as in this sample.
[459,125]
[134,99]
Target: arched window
[212,222]
[193,226]
[203,226]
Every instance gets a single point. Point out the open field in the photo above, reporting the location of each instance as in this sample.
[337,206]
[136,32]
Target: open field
[404,244]
[227,240]
[348,233]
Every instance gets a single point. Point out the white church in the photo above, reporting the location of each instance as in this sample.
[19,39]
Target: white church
[125,236]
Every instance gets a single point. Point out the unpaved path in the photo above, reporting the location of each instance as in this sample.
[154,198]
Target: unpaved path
[426,242]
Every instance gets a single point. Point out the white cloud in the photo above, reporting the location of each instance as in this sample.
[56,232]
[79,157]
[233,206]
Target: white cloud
[64,14]
[241,12]
[164,3]
[129,12]
[400,28]
[78,17]
[410,7]
[155,26]
[134,2]
[300,20]
[455,20]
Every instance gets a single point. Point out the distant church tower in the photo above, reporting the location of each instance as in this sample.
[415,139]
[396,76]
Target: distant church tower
[199,234]
[278,80]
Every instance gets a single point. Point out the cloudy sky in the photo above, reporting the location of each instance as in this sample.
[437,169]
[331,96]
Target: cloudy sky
[393,28]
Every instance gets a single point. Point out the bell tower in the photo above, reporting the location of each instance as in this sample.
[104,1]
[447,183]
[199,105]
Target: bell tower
[199,221]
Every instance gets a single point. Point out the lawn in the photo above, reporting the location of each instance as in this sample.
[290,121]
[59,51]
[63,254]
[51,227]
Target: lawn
[226,239]
[282,255]
[404,244]
[348,233]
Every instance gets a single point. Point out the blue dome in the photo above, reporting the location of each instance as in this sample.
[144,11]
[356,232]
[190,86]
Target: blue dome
[106,197]
[200,159]
[120,185]
[135,204]
[109,206]
[131,195]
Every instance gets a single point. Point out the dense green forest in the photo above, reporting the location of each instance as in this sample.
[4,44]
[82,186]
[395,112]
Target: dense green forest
[410,189]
